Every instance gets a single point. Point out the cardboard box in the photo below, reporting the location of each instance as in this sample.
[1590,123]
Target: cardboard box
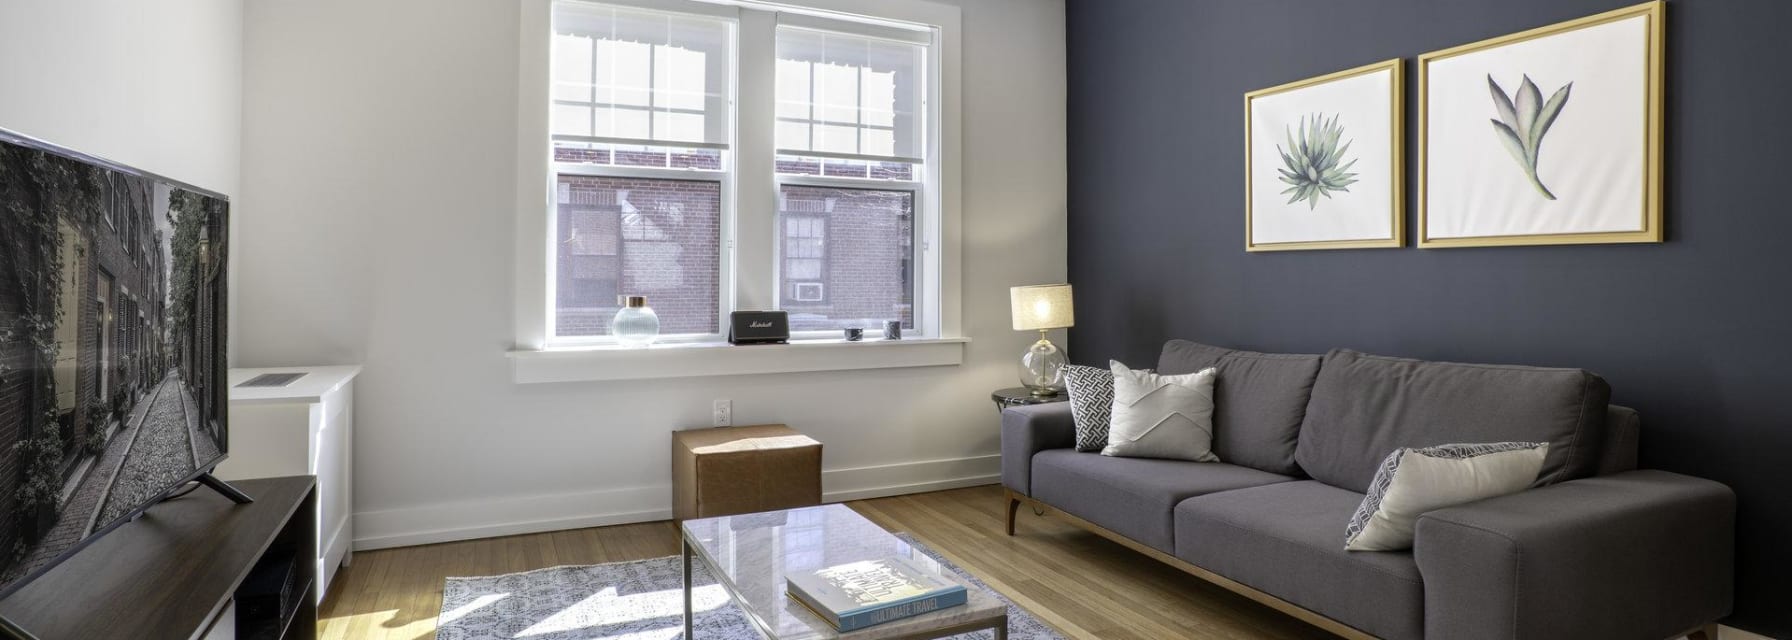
[732,470]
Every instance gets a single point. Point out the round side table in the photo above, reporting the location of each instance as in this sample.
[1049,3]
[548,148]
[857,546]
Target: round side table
[1019,396]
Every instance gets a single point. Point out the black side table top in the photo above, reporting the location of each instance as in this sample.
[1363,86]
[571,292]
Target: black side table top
[1019,396]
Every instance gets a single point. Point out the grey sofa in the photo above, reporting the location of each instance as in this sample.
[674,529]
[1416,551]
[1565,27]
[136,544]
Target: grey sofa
[1595,549]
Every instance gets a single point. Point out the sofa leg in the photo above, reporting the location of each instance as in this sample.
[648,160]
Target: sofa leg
[1014,506]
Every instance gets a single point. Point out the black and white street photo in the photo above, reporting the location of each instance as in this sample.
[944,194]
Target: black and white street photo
[111,383]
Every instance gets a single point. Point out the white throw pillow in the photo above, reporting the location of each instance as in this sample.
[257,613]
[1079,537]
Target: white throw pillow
[1158,416]
[1414,481]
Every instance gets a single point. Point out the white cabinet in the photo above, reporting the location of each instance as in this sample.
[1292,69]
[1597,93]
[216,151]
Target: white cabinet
[305,427]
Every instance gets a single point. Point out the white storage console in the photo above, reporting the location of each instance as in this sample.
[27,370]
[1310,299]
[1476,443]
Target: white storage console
[302,427]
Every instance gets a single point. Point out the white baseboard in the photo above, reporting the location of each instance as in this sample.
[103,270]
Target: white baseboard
[514,515]
[861,483]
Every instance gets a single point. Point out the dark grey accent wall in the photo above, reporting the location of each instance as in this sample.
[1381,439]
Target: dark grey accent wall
[1695,333]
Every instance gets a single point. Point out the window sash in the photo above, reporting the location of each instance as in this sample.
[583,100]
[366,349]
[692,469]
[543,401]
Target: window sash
[917,247]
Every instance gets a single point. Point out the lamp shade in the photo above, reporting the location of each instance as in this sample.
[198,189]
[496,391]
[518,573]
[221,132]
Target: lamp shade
[1041,306]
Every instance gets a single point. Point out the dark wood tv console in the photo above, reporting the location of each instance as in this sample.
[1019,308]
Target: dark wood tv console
[197,566]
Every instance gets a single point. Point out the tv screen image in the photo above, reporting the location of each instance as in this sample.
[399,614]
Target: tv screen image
[112,345]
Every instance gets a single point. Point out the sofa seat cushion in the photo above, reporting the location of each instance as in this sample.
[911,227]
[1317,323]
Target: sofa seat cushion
[1134,497]
[1364,407]
[1285,540]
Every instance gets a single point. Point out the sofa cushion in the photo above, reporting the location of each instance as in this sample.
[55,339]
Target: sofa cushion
[1283,539]
[1364,407]
[1260,400]
[1134,496]
[1182,356]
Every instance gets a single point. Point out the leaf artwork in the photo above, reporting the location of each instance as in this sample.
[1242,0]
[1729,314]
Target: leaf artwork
[1523,121]
[1312,161]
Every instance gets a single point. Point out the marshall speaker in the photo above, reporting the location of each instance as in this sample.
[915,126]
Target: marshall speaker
[758,327]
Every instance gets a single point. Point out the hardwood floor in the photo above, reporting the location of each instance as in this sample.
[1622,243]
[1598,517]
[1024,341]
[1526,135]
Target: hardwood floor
[1080,583]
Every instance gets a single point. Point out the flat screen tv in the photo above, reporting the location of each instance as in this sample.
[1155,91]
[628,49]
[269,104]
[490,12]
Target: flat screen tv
[112,374]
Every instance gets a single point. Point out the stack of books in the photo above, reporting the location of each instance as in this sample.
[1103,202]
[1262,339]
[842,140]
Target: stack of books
[861,594]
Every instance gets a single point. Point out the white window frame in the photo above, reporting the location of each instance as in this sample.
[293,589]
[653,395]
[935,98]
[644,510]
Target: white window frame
[724,177]
[750,233]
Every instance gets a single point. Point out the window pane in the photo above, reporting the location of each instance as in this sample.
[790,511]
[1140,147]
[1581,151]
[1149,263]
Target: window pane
[641,74]
[862,95]
[634,236]
[846,257]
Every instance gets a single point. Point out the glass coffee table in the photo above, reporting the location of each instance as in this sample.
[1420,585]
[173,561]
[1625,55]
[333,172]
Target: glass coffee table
[749,555]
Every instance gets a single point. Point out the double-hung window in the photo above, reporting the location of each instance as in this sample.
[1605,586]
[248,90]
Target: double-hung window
[802,175]
[850,159]
[642,111]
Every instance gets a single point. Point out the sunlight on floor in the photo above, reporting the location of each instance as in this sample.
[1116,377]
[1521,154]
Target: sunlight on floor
[607,608]
[477,604]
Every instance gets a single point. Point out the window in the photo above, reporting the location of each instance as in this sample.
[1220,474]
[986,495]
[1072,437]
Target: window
[640,132]
[850,143]
[805,253]
[847,257]
[830,174]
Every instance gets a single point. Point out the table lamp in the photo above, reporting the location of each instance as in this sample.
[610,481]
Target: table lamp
[1042,308]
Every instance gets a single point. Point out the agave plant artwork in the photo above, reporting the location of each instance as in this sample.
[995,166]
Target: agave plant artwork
[1523,121]
[1312,161]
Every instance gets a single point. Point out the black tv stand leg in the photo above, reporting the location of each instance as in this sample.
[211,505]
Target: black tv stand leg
[223,487]
[10,630]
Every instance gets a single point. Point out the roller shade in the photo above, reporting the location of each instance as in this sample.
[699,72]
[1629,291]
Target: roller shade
[849,95]
[636,76]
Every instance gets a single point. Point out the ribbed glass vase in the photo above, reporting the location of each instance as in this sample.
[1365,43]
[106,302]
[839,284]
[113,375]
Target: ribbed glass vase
[635,324]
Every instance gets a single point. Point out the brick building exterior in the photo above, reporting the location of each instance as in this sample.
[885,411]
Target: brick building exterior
[846,255]
[98,290]
[634,236]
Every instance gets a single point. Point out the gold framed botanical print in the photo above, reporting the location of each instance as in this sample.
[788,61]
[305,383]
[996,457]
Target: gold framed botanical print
[1323,161]
[1546,136]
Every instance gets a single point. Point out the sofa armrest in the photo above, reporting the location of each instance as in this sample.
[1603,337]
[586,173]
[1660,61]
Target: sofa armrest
[1030,429]
[1640,554]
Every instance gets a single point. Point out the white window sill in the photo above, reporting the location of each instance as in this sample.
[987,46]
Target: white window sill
[689,360]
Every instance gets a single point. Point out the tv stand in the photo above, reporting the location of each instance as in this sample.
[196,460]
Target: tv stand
[223,487]
[197,566]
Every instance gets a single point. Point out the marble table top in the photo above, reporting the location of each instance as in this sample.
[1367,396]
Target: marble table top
[751,553]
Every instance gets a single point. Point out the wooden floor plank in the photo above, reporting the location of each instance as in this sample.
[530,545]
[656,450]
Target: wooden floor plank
[1082,584]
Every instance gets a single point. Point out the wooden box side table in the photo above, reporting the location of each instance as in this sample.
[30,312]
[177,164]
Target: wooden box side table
[734,470]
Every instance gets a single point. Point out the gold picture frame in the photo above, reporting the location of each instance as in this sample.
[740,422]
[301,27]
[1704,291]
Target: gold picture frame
[1396,163]
[1651,210]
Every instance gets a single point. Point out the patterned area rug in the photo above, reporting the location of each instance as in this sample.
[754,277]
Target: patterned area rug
[640,600]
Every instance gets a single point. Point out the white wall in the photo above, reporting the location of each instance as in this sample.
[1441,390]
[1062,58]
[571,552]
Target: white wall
[151,85]
[378,146]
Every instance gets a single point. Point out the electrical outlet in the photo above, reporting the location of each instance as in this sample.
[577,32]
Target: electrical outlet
[724,413]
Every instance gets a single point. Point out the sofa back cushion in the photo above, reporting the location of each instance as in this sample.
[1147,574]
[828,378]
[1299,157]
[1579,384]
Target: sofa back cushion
[1183,357]
[1363,407]
[1259,401]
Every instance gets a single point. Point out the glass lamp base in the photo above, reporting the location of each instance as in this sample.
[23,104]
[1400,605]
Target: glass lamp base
[1042,368]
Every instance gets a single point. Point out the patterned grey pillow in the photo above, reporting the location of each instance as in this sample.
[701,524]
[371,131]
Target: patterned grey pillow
[1414,481]
[1091,404]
